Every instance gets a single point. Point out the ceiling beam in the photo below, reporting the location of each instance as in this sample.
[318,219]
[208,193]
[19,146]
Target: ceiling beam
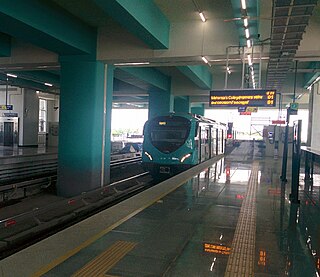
[46,26]
[198,74]
[312,76]
[5,45]
[146,78]
[142,18]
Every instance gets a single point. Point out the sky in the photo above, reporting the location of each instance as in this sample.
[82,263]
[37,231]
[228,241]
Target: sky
[129,119]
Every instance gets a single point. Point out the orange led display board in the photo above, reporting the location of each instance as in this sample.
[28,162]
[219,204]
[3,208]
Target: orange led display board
[241,98]
[216,248]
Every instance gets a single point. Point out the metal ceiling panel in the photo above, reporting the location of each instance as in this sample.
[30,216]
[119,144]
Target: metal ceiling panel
[290,18]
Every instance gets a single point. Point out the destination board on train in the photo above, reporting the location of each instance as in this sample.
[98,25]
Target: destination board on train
[240,98]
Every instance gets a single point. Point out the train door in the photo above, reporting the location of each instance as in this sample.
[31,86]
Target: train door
[213,139]
[210,142]
[222,141]
[207,143]
[198,142]
[204,143]
[217,141]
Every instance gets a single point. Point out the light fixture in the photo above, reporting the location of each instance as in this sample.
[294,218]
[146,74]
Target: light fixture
[202,17]
[185,157]
[299,96]
[249,60]
[132,64]
[148,155]
[245,22]
[243,4]
[37,91]
[204,59]
[12,75]
[228,70]
[247,33]
[248,43]
[48,84]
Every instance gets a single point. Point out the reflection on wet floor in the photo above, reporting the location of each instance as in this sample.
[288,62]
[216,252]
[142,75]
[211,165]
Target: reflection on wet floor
[6,151]
[287,241]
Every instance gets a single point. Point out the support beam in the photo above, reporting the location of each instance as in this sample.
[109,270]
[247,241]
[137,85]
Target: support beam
[182,104]
[146,78]
[142,18]
[46,26]
[312,76]
[198,110]
[159,103]
[39,76]
[82,127]
[23,83]
[5,45]
[198,74]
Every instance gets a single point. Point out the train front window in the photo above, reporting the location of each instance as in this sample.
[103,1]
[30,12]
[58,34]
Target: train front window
[167,134]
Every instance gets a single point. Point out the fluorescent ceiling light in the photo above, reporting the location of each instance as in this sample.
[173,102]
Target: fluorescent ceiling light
[48,84]
[245,22]
[202,17]
[247,33]
[248,43]
[243,4]
[249,60]
[12,75]
[204,59]
[133,63]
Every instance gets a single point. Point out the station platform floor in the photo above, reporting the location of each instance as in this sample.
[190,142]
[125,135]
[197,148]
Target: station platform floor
[9,151]
[231,217]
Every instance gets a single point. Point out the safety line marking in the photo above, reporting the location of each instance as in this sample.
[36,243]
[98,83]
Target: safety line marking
[241,259]
[106,260]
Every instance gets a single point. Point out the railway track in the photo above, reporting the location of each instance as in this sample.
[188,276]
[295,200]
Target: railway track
[16,179]
[24,229]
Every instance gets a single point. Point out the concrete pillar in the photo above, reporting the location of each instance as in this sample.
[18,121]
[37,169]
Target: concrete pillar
[108,92]
[84,120]
[29,119]
[181,104]
[315,142]
[159,103]
[198,110]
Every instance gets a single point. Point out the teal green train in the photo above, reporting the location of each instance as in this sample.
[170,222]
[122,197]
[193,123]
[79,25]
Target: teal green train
[175,142]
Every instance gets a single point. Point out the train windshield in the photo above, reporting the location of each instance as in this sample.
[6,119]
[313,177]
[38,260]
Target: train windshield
[167,134]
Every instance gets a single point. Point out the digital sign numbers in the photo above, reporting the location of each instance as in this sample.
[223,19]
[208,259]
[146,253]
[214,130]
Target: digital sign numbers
[240,98]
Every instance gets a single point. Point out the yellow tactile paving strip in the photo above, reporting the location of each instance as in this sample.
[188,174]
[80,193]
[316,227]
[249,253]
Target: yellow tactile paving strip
[106,260]
[241,259]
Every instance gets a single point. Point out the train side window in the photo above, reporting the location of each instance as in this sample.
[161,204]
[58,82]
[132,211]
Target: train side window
[196,130]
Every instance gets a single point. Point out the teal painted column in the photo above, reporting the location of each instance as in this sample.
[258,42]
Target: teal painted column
[181,104]
[159,103]
[82,126]
[198,110]
[108,92]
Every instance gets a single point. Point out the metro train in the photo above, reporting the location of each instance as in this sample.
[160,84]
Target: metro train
[175,142]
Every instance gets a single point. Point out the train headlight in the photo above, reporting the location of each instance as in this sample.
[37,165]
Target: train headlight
[148,155]
[185,157]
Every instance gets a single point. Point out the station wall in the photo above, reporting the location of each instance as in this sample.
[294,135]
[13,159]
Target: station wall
[315,134]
